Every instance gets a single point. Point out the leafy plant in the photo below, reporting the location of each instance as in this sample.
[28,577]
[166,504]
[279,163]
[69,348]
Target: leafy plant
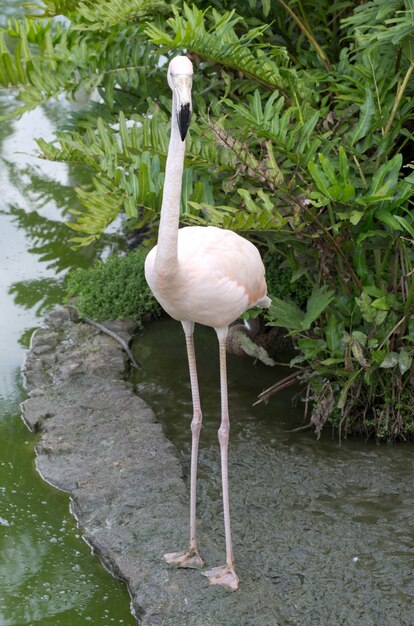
[114,289]
[301,140]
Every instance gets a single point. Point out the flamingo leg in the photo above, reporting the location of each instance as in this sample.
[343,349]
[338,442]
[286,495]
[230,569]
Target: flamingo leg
[191,557]
[226,574]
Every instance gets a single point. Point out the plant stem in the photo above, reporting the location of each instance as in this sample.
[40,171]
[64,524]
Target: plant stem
[328,235]
[392,331]
[264,177]
[410,298]
[378,265]
[398,98]
[114,335]
[309,36]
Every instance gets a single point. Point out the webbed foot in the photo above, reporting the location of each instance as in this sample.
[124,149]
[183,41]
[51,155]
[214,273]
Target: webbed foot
[191,559]
[225,575]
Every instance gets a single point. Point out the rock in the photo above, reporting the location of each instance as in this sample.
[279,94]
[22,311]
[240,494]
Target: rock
[101,443]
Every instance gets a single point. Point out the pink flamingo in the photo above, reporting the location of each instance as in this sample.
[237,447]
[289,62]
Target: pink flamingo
[202,275]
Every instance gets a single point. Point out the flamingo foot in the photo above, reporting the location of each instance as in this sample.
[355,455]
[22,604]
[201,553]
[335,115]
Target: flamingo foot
[191,559]
[224,575]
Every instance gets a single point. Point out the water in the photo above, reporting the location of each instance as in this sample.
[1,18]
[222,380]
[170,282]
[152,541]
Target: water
[323,531]
[47,573]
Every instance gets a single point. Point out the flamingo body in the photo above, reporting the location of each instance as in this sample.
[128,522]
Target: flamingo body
[202,275]
[219,275]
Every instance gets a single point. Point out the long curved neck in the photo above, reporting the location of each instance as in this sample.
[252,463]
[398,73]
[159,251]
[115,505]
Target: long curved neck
[166,258]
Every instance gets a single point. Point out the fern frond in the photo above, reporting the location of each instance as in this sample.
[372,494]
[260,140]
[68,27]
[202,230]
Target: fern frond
[102,207]
[382,22]
[105,13]
[256,212]
[44,59]
[292,134]
[212,35]
[129,177]
[52,8]
[31,59]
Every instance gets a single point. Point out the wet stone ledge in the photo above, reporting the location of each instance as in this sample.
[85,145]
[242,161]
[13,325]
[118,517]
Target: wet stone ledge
[102,444]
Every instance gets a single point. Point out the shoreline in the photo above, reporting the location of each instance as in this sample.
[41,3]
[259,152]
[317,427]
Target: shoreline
[117,472]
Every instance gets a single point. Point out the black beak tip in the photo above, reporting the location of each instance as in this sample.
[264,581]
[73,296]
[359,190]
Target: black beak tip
[184,117]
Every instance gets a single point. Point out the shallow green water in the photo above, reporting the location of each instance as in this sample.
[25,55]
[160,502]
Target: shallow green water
[323,531]
[330,526]
[48,575]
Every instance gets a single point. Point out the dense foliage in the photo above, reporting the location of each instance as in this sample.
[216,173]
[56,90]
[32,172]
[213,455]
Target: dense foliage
[114,289]
[301,141]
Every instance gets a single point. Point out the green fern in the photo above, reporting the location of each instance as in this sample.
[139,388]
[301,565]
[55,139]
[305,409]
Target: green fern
[104,13]
[212,35]
[52,8]
[43,59]
[291,129]
[40,74]
[101,207]
[380,22]
[120,158]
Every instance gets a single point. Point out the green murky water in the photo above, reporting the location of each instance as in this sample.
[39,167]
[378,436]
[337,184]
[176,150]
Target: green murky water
[48,576]
[330,526]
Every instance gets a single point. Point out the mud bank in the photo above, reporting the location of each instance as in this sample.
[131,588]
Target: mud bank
[323,533]
[102,444]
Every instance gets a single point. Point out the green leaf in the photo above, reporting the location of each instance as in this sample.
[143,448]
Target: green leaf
[311,347]
[387,218]
[404,361]
[359,336]
[343,165]
[348,192]
[320,178]
[405,224]
[373,291]
[332,361]
[266,6]
[385,178]
[364,303]
[319,299]
[250,204]
[355,217]
[365,117]
[327,168]
[381,303]
[334,334]
[391,360]
[285,314]
[408,47]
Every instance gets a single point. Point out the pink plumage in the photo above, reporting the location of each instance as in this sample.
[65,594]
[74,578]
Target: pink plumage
[202,275]
[219,275]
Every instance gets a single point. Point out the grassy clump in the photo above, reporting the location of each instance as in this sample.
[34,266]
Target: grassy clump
[114,289]
[280,283]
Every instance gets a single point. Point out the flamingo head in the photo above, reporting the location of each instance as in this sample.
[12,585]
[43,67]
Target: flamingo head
[180,79]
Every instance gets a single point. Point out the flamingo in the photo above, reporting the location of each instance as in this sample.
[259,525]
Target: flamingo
[204,275]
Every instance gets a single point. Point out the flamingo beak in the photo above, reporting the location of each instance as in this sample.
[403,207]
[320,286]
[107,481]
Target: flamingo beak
[182,86]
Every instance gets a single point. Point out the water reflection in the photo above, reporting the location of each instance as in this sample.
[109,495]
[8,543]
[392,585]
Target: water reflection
[35,247]
[47,575]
